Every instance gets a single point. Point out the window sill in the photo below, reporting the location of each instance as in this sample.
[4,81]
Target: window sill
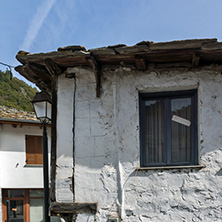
[200,166]
[33,165]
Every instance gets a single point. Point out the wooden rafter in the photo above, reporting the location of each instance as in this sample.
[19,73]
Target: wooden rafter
[53,68]
[141,63]
[76,208]
[195,59]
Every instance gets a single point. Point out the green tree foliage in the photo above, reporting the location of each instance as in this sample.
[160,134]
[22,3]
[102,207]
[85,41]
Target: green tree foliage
[15,93]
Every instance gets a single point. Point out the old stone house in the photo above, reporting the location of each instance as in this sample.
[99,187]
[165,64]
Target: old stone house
[136,130]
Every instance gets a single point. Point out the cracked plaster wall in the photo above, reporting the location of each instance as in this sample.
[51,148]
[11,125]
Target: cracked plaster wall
[107,148]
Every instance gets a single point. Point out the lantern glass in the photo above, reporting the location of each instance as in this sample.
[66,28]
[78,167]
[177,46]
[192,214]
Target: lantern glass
[43,110]
[49,111]
[42,104]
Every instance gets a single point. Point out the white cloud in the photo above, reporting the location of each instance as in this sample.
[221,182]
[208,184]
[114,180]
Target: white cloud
[36,23]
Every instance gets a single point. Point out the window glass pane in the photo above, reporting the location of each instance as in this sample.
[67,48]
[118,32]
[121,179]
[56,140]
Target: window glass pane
[54,219]
[36,193]
[181,130]
[14,210]
[154,139]
[14,193]
[36,210]
[40,109]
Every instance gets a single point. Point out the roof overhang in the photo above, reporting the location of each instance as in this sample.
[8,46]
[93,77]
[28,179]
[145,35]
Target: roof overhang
[191,54]
[20,122]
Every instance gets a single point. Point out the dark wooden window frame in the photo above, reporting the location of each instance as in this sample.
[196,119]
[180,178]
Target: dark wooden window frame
[167,96]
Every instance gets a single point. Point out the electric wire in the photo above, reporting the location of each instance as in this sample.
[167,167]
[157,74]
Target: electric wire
[10,68]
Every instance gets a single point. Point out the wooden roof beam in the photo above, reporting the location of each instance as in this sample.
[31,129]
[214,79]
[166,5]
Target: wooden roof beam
[141,63]
[53,68]
[195,59]
[41,74]
[33,76]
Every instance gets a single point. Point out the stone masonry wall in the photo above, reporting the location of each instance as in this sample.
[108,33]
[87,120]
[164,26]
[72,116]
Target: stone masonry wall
[107,148]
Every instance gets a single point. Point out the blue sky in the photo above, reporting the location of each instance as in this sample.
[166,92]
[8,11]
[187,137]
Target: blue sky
[44,25]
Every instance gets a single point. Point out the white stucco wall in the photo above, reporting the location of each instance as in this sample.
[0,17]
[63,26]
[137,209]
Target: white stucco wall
[14,172]
[13,169]
[65,141]
[107,148]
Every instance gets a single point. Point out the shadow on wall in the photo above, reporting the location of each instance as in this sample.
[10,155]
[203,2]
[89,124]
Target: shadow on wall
[219,173]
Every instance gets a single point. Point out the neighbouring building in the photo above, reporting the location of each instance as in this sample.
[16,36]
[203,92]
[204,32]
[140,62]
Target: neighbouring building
[21,172]
[136,130]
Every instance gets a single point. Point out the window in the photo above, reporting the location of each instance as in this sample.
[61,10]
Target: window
[20,205]
[168,128]
[34,149]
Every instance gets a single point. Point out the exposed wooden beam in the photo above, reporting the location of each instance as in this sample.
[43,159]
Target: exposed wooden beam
[54,139]
[93,63]
[22,71]
[173,65]
[41,75]
[195,59]
[53,68]
[75,208]
[33,76]
[40,70]
[141,63]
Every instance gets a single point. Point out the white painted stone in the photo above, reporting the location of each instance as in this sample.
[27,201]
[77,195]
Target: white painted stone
[82,126]
[82,109]
[87,146]
[108,151]
[65,147]
[85,217]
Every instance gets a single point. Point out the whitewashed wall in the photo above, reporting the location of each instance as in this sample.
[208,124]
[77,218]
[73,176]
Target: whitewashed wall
[14,173]
[65,141]
[13,169]
[1,205]
[107,149]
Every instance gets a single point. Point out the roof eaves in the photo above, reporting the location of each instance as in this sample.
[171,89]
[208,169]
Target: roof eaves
[173,53]
[19,121]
